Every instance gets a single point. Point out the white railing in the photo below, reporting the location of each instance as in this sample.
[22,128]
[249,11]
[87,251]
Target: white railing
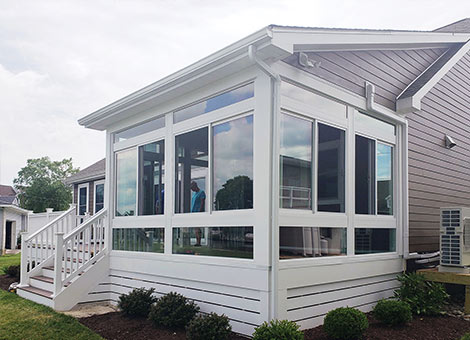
[295,196]
[39,247]
[79,249]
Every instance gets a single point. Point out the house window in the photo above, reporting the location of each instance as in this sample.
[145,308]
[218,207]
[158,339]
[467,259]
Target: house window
[83,199]
[151,178]
[191,171]
[140,129]
[99,196]
[374,240]
[233,164]
[139,239]
[300,242]
[374,177]
[296,163]
[331,168]
[126,182]
[225,99]
[214,241]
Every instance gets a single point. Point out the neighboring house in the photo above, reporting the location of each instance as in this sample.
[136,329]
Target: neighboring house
[283,176]
[88,188]
[13,219]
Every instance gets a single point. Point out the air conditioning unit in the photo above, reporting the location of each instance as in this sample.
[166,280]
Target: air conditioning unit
[455,240]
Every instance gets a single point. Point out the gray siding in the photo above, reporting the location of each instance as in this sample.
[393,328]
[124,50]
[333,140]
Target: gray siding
[390,71]
[439,176]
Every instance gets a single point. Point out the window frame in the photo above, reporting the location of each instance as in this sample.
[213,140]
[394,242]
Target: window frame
[80,186]
[95,184]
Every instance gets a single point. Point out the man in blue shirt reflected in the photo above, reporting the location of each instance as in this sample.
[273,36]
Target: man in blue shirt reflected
[198,204]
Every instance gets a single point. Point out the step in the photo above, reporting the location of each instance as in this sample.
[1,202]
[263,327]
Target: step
[42,282]
[49,273]
[41,296]
[38,291]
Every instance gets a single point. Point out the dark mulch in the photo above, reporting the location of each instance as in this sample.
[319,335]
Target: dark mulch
[428,328]
[6,281]
[114,326]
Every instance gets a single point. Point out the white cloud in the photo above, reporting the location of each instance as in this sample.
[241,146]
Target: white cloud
[60,60]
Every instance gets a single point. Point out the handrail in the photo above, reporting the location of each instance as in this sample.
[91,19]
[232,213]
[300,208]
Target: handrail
[85,224]
[71,209]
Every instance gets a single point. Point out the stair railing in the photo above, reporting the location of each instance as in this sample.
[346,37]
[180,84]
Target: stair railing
[40,246]
[79,249]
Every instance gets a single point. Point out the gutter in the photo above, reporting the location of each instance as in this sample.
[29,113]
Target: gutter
[274,192]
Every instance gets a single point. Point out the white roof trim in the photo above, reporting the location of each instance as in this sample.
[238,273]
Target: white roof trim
[16,209]
[413,103]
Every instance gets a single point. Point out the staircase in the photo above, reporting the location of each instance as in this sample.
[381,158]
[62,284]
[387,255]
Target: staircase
[64,260]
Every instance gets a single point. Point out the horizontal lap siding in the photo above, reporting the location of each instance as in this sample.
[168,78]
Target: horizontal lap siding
[390,71]
[438,176]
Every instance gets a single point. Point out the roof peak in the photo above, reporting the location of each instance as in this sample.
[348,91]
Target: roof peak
[460,26]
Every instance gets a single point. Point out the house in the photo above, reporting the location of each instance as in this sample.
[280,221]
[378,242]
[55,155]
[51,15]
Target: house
[283,176]
[13,219]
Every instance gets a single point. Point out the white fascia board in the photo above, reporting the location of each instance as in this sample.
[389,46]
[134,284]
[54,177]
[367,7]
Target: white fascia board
[236,51]
[413,103]
[15,209]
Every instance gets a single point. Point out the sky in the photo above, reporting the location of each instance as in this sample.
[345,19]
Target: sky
[61,60]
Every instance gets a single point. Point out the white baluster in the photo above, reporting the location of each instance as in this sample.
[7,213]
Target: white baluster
[58,262]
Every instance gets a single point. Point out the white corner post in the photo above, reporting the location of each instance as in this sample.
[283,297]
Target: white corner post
[59,254]
[24,279]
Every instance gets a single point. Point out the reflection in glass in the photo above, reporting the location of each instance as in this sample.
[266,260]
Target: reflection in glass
[363,121]
[296,163]
[191,156]
[214,241]
[82,198]
[151,172]
[214,103]
[140,129]
[126,182]
[139,239]
[374,240]
[384,179]
[365,175]
[331,160]
[298,242]
[233,164]
[99,197]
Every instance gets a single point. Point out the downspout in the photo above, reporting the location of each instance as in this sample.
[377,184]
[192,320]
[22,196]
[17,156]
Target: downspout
[274,193]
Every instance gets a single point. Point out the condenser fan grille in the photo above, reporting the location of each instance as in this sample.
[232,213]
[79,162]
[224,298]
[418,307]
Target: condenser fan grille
[450,239]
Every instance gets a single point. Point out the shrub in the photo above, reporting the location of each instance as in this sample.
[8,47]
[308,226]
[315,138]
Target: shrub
[424,297]
[466,336]
[137,302]
[278,330]
[345,323]
[173,310]
[209,327]
[392,312]
[13,271]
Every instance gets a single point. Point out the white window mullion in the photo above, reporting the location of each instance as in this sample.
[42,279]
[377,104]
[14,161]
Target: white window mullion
[350,180]
[169,182]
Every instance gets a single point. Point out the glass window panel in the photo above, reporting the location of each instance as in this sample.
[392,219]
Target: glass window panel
[365,122]
[214,241]
[365,175]
[225,99]
[126,182]
[233,164]
[82,201]
[374,240]
[299,242]
[296,163]
[191,156]
[384,179]
[140,129]
[99,197]
[331,161]
[151,178]
[139,239]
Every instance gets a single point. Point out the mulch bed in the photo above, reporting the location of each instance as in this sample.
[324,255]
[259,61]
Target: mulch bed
[114,326]
[6,281]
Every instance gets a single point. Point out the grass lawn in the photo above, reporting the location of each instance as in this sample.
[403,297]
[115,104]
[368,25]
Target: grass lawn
[24,319]
[9,260]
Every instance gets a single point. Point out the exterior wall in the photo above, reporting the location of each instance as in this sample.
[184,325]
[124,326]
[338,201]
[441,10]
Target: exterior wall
[19,223]
[390,71]
[439,177]
[91,194]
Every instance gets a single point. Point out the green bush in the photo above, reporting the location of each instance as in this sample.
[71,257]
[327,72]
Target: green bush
[424,297]
[13,271]
[392,312]
[345,323]
[209,327]
[137,302]
[173,310]
[278,330]
[466,336]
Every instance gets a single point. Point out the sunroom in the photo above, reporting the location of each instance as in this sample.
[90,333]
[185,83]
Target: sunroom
[255,189]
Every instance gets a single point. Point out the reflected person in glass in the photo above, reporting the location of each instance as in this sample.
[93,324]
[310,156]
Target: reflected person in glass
[198,203]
